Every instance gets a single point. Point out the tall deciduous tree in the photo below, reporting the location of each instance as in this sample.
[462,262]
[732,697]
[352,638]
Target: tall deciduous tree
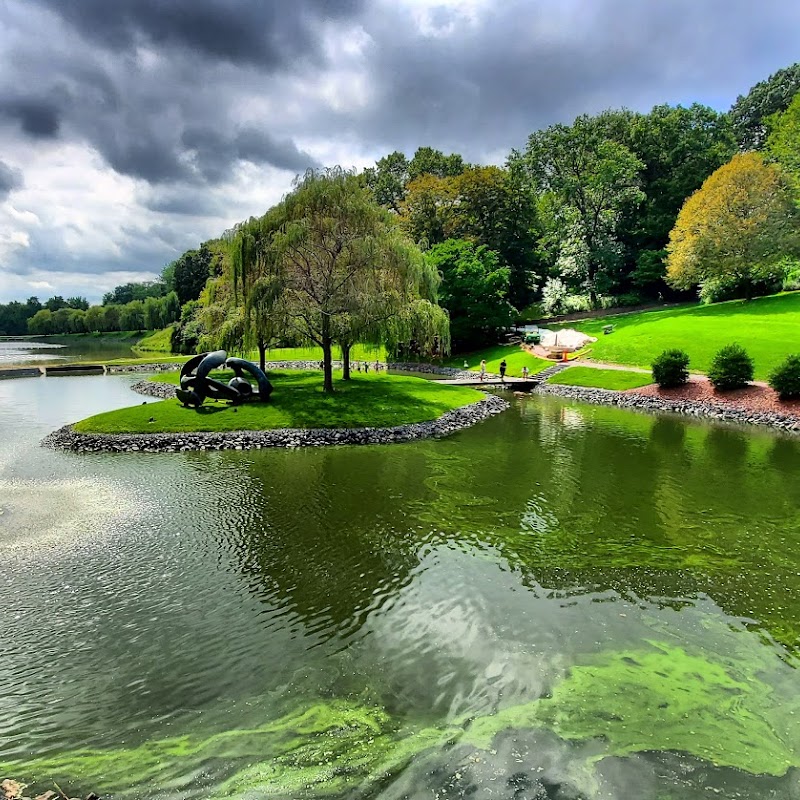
[735,229]
[190,273]
[783,143]
[587,181]
[474,290]
[387,180]
[750,112]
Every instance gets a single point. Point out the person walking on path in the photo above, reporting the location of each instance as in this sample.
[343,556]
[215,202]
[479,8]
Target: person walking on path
[503,366]
[483,370]
[525,373]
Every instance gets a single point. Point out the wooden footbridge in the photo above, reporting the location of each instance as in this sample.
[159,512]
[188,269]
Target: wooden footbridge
[518,384]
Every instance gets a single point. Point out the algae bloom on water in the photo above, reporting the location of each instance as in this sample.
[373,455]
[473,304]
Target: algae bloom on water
[656,699]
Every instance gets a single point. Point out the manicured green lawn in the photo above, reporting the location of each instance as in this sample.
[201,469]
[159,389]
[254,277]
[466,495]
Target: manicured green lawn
[297,402]
[601,378]
[768,328]
[516,358]
[156,342]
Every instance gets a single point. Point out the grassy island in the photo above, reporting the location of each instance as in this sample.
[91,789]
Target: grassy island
[372,400]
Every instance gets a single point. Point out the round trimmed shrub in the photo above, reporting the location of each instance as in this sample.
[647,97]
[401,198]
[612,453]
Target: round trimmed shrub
[731,368]
[671,369]
[785,379]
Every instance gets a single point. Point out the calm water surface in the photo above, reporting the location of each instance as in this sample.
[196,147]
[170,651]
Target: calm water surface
[54,350]
[564,602]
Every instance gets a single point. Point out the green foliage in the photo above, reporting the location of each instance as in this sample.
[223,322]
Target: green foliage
[554,297]
[387,180]
[732,368]
[671,369]
[474,290]
[14,316]
[428,161]
[615,379]
[190,273]
[327,265]
[128,292]
[679,147]
[785,379]
[372,400]
[750,112]
[783,144]
[131,316]
[587,181]
[735,230]
[650,269]
[791,275]
[80,303]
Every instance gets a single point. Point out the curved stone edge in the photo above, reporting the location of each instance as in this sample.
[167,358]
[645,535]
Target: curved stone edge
[162,391]
[452,421]
[396,366]
[693,408]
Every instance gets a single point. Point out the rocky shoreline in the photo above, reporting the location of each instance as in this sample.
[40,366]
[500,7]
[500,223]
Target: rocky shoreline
[608,397]
[162,391]
[399,366]
[68,439]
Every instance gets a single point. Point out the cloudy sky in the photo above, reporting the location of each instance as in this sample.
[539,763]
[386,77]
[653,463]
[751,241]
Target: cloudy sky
[133,130]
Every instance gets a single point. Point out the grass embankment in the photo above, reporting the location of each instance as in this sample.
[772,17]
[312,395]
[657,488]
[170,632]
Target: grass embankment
[98,338]
[617,379]
[297,402]
[516,358]
[768,328]
[156,342]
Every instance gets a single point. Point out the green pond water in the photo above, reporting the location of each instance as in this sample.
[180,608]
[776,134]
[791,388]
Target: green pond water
[47,350]
[563,602]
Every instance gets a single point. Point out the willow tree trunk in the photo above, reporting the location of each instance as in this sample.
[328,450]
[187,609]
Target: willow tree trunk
[327,367]
[262,355]
[345,361]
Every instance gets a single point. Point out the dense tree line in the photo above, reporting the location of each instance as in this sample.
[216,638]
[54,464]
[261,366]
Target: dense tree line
[585,214]
[614,209]
[147,305]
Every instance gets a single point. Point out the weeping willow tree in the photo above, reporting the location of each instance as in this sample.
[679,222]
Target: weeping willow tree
[258,317]
[334,267]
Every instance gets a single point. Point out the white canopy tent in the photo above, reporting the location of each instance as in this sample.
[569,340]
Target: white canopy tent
[567,339]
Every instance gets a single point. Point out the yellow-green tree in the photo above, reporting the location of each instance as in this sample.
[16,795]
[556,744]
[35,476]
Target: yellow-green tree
[735,229]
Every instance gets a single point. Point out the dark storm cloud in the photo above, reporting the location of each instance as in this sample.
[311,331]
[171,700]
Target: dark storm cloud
[10,179]
[477,84]
[38,118]
[213,151]
[525,65]
[269,33]
[187,95]
[153,86]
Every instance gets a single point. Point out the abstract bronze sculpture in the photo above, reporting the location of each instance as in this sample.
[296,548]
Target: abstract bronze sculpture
[196,386]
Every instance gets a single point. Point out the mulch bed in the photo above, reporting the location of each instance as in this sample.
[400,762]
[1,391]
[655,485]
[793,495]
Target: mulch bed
[755,397]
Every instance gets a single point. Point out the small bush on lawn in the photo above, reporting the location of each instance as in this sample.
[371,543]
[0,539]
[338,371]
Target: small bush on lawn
[785,379]
[671,369]
[731,368]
